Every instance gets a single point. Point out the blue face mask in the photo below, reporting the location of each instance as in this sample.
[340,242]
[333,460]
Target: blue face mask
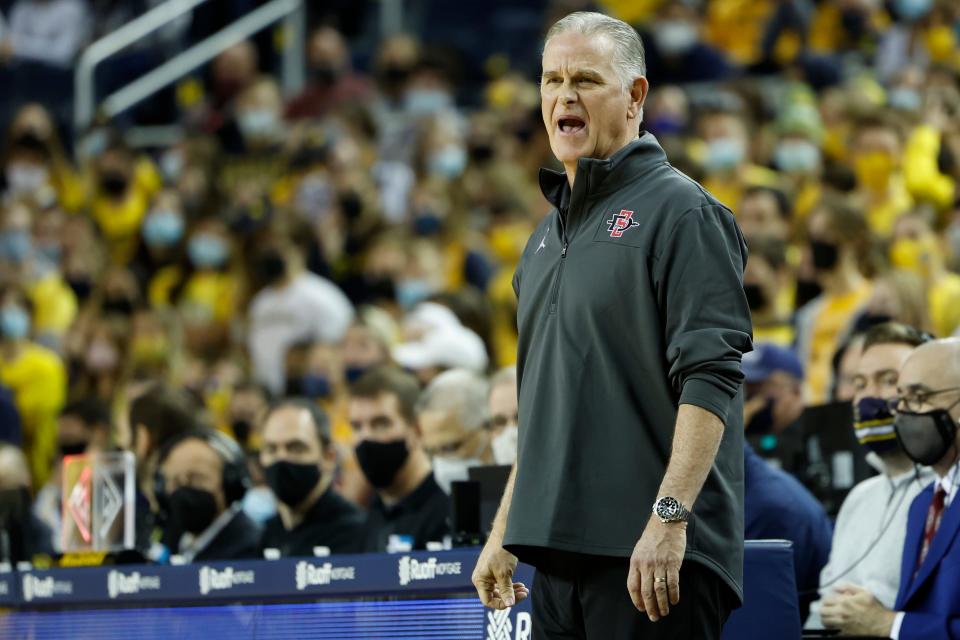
[258,123]
[207,251]
[723,154]
[352,374]
[912,10]
[14,323]
[796,156]
[873,424]
[259,504]
[427,223]
[15,246]
[162,229]
[411,292]
[425,102]
[449,162]
[315,386]
[905,99]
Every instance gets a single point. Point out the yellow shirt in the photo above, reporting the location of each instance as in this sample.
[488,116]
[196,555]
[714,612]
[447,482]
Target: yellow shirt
[736,27]
[631,11]
[821,335]
[943,301]
[882,215]
[38,381]
[54,304]
[921,172]
[120,221]
[778,334]
[210,296]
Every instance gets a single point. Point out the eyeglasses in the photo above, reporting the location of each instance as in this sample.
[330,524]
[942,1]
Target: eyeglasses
[501,420]
[916,400]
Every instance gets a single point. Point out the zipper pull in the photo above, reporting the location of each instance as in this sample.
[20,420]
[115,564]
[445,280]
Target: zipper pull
[563,252]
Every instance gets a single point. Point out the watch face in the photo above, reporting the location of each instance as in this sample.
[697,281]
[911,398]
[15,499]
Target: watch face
[668,508]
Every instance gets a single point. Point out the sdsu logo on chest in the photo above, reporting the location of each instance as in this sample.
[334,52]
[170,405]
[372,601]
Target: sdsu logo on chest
[621,223]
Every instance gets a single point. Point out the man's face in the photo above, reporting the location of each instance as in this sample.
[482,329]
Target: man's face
[785,392]
[927,370]
[879,370]
[503,407]
[360,348]
[444,435]
[72,431]
[289,434]
[378,419]
[193,463]
[585,109]
[760,273]
[759,216]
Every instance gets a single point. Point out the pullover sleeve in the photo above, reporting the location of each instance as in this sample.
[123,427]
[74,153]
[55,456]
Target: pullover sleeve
[704,313]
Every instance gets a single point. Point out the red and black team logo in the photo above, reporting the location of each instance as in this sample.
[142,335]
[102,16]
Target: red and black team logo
[620,223]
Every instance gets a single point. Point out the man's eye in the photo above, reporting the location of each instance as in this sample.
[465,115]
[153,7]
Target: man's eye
[554,80]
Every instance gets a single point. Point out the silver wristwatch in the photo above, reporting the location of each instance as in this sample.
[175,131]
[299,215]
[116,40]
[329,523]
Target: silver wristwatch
[670,510]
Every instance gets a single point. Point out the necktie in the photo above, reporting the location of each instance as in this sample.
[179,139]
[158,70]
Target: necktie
[934,515]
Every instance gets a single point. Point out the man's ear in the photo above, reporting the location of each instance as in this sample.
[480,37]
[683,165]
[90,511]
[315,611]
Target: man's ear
[638,95]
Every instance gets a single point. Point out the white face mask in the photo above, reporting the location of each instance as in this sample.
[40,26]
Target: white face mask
[447,469]
[26,178]
[504,445]
[259,504]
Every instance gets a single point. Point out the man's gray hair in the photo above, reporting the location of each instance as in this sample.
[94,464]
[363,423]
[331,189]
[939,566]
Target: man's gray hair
[458,391]
[628,57]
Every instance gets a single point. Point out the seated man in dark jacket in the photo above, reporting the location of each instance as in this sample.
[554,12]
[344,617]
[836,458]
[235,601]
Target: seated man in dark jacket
[299,461]
[204,478]
[409,509]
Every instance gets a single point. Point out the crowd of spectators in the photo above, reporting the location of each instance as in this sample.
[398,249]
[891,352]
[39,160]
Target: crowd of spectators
[299,316]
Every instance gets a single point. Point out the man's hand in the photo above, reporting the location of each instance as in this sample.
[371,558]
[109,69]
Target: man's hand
[493,577]
[855,611]
[654,578]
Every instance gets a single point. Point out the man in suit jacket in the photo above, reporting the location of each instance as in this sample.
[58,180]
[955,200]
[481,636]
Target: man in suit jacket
[928,602]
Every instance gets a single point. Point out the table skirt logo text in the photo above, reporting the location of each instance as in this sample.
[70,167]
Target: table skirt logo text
[213,580]
[119,583]
[311,575]
[34,587]
[411,570]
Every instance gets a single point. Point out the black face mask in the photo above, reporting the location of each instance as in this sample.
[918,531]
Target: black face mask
[807,290]
[271,266]
[113,184]
[762,421]
[756,298]
[354,373]
[325,75]
[81,288]
[72,448]
[241,430]
[292,482]
[380,461]
[480,152]
[192,509]
[925,437]
[825,255]
[120,306]
[394,76]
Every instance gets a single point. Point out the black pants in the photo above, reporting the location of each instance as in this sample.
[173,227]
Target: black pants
[580,597]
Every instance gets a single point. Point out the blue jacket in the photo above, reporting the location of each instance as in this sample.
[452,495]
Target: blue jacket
[932,599]
[777,506]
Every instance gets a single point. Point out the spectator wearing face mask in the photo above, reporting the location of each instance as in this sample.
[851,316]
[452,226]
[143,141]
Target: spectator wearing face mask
[294,306]
[120,198]
[204,480]
[452,414]
[877,163]
[162,233]
[26,536]
[765,212]
[773,377]
[838,241]
[37,378]
[23,260]
[299,462]
[798,156]
[766,282]
[728,167]
[502,405]
[871,526]
[917,249]
[926,427]
[409,508]
[675,50]
[333,83]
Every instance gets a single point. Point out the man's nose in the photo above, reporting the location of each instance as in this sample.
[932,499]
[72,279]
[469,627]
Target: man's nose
[567,93]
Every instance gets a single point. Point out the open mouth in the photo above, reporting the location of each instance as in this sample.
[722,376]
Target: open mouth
[571,124]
